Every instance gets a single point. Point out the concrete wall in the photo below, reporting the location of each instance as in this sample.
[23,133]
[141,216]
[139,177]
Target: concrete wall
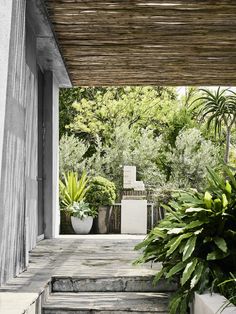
[208,303]
[13,150]
[19,142]
[51,120]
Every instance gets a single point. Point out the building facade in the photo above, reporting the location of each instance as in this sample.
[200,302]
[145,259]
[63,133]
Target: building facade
[32,70]
[105,43]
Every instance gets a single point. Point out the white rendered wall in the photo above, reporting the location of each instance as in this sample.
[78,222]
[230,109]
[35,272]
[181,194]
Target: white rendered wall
[211,304]
[134,216]
[129,179]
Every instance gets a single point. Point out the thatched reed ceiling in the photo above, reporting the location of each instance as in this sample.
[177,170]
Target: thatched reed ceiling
[149,42]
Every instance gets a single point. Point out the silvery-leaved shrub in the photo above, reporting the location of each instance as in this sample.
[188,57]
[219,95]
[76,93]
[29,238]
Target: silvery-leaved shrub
[82,210]
[71,157]
[190,157]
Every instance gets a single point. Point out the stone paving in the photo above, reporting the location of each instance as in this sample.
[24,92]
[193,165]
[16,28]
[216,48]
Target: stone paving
[92,256]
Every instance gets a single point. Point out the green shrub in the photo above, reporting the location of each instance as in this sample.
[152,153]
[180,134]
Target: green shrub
[101,192]
[72,189]
[196,240]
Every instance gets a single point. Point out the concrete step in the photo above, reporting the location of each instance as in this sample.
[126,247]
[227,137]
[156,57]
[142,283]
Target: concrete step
[106,303]
[143,283]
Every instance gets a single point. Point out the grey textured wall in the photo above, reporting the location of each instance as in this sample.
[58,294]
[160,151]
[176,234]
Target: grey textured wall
[18,190]
[31,129]
[51,184]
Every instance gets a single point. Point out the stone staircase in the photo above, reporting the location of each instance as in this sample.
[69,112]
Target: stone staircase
[91,274]
[109,295]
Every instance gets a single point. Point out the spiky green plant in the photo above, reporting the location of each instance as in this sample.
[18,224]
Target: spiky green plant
[72,189]
[219,108]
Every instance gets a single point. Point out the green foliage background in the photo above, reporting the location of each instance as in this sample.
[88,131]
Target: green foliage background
[153,128]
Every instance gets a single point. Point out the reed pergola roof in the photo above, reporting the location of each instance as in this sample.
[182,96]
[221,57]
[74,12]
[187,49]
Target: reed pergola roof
[148,42]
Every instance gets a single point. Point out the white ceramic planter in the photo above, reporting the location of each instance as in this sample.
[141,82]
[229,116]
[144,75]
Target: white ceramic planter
[82,226]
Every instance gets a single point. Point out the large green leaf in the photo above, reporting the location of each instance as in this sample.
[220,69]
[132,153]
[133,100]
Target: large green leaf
[172,212]
[190,267]
[208,200]
[177,268]
[197,210]
[175,231]
[189,247]
[197,275]
[177,242]
[224,201]
[158,232]
[194,224]
[220,242]
[174,304]
[228,187]
[158,276]
[183,305]
[232,179]
[215,255]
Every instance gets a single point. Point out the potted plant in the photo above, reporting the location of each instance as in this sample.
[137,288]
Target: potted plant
[101,194]
[72,189]
[82,217]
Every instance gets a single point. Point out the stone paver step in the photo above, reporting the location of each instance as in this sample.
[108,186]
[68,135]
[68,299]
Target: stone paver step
[107,303]
[111,283]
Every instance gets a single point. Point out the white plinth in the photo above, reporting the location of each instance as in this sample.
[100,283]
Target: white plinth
[134,216]
[211,304]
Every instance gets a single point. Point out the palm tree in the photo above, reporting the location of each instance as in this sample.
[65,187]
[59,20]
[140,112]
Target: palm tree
[219,108]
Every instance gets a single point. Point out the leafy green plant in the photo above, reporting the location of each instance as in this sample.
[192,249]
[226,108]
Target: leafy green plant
[82,210]
[72,189]
[101,192]
[196,240]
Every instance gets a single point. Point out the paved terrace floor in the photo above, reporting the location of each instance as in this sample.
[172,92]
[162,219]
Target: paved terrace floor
[82,256]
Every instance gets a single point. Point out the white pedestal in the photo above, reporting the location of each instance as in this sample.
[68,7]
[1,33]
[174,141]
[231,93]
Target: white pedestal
[134,216]
[208,303]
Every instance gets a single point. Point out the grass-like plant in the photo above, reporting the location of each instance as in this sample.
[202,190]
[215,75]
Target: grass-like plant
[72,189]
[228,289]
[196,240]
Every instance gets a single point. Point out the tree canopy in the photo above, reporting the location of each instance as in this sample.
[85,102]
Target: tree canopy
[152,128]
[99,112]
